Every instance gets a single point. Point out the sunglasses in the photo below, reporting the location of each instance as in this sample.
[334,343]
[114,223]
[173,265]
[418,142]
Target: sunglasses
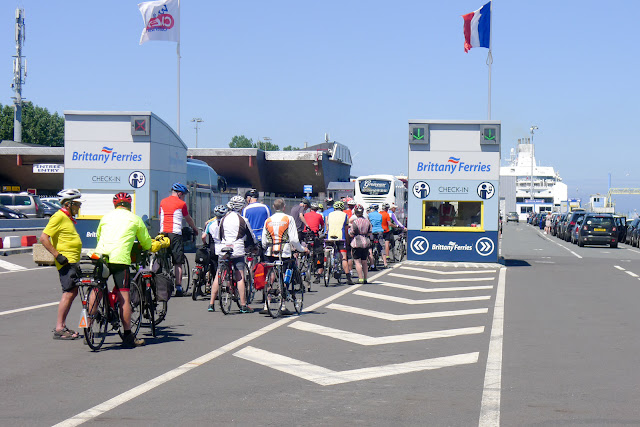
[78,204]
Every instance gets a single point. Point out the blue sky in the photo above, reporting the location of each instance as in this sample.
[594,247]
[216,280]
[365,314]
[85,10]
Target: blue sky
[357,70]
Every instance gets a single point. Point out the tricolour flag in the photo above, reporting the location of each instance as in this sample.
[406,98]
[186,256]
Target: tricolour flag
[161,20]
[477,28]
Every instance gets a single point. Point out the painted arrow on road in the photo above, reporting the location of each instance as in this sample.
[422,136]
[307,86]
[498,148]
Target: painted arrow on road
[414,316]
[361,339]
[324,376]
[428,270]
[420,301]
[428,279]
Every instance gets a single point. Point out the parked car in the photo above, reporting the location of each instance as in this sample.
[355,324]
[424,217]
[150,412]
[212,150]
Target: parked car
[574,230]
[513,216]
[571,223]
[52,200]
[621,224]
[7,213]
[49,209]
[557,224]
[631,226]
[598,229]
[28,204]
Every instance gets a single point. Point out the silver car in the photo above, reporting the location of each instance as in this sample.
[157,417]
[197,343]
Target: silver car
[28,204]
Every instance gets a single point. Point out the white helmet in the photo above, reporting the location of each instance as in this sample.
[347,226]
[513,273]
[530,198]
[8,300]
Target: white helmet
[236,203]
[69,194]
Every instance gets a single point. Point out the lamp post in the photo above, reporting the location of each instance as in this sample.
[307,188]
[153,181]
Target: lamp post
[197,121]
[533,128]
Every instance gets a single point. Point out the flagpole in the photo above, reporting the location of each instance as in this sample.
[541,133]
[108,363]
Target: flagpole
[490,57]
[178,53]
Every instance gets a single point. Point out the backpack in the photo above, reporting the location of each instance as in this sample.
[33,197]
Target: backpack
[202,256]
[260,272]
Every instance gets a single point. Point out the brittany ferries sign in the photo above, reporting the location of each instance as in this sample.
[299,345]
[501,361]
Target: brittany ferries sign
[458,165]
[107,156]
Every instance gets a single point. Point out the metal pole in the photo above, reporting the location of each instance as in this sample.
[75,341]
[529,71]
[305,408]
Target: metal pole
[533,128]
[178,53]
[490,58]
[197,121]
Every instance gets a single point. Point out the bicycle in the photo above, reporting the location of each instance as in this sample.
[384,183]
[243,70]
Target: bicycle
[332,262]
[228,291]
[165,262]
[399,243]
[154,310]
[277,291]
[376,250]
[307,262]
[202,274]
[101,308]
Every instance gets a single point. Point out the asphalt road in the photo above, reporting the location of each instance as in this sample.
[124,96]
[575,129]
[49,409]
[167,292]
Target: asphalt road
[548,338]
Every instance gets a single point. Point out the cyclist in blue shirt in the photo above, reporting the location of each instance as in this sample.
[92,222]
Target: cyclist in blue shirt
[375,218]
[257,213]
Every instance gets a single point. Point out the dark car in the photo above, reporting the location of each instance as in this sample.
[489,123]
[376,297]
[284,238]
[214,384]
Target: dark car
[571,223]
[598,229]
[631,226]
[574,230]
[49,209]
[621,224]
[556,227]
[7,213]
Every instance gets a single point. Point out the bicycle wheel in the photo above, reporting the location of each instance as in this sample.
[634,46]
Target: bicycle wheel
[97,317]
[198,273]
[186,275]
[337,268]
[273,291]
[376,257]
[327,267]
[249,290]
[297,291]
[136,293]
[149,312]
[225,294]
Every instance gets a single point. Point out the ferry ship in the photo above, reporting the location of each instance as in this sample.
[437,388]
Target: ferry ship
[516,192]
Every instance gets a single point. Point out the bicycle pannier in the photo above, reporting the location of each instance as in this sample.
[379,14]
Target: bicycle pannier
[259,276]
[202,256]
[164,286]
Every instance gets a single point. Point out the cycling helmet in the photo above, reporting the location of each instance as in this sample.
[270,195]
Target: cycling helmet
[385,205]
[180,188]
[373,206]
[122,198]
[339,205]
[329,201]
[236,203]
[320,206]
[358,210]
[351,202]
[253,193]
[69,194]
[314,206]
[220,211]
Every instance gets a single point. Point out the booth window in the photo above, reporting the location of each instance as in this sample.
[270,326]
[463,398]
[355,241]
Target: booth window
[443,215]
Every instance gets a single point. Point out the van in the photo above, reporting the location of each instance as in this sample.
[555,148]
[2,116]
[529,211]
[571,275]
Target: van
[28,204]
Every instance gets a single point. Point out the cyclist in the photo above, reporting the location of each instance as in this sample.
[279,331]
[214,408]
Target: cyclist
[376,227]
[350,205]
[233,230]
[280,232]
[329,208]
[337,224]
[297,212]
[394,218]
[256,212]
[116,234]
[209,239]
[315,225]
[172,210]
[62,240]
[387,226]
[360,230]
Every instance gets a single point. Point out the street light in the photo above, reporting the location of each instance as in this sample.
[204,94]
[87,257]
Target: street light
[533,128]
[197,121]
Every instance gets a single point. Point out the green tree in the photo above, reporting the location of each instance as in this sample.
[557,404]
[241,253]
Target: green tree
[266,146]
[241,142]
[290,148]
[38,125]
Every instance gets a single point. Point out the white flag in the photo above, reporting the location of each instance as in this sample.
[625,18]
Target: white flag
[161,20]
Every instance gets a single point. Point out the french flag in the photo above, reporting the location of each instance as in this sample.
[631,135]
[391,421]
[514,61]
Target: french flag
[477,28]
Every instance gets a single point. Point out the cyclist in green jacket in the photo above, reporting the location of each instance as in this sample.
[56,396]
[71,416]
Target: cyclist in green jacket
[116,234]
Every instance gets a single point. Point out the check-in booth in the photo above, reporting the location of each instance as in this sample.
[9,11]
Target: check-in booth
[109,152]
[454,174]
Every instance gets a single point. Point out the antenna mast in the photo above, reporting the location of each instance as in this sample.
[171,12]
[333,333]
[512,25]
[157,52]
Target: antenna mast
[19,75]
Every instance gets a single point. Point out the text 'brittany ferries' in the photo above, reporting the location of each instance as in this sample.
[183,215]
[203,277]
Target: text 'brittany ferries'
[453,165]
[107,154]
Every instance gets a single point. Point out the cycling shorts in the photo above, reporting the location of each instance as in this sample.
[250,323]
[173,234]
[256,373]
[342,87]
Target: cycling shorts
[339,245]
[121,276]
[387,235]
[360,253]
[237,263]
[69,275]
[177,248]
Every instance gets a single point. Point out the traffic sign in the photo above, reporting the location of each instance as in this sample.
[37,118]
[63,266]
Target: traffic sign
[307,189]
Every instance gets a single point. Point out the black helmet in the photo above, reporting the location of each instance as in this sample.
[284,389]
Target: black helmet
[253,193]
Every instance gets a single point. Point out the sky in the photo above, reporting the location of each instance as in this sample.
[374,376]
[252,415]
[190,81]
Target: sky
[359,71]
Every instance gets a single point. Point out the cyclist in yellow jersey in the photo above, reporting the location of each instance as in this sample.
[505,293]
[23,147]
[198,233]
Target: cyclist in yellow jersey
[62,240]
[337,229]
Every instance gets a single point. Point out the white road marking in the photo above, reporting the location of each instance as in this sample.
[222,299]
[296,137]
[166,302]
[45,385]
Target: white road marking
[633,250]
[398,317]
[562,246]
[23,270]
[33,307]
[490,407]
[632,274]
[429,290]
[428,279]
[324,376]
[427,270]
[11,266]
[419,301]
[125,397]
[619,268]
[389,339]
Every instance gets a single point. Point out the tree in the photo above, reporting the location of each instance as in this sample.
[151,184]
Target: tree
[290,148]
[241,142]
[38,125]
[266,146]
